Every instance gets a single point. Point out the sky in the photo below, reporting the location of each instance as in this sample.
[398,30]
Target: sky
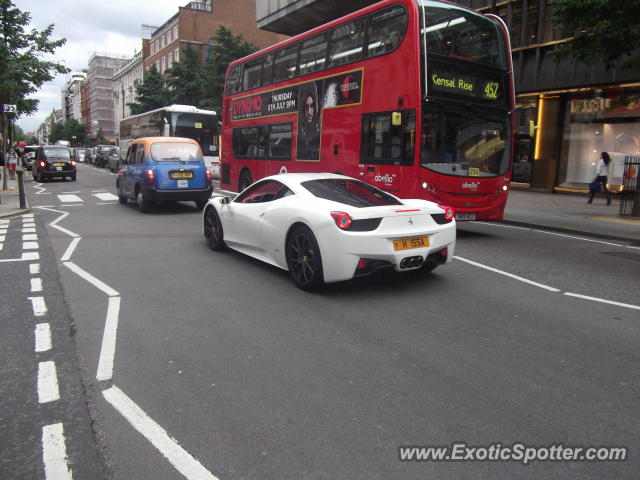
[113,26]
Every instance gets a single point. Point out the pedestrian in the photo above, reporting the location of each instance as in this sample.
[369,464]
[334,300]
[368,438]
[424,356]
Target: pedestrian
[13,162]
[602,174]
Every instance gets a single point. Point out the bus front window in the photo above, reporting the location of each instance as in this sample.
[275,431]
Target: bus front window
[201,128]
[465,145]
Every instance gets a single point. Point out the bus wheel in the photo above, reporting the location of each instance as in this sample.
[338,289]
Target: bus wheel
[245,180]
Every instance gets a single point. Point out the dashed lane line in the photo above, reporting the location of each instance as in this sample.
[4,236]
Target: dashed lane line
[546,287]
[43,337]
[54,453]
[48,390]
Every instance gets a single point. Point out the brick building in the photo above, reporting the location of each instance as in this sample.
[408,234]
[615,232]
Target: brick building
[197,23]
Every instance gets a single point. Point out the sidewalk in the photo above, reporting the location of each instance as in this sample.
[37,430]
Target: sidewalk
[9,199]
[570,213]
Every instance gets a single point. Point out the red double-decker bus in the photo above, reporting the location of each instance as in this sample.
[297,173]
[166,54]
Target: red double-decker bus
[413,96]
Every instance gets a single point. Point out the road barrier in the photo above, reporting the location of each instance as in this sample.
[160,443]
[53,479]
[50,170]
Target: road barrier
[630,195]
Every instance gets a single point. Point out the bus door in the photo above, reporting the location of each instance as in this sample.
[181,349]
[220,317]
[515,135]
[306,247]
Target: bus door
[388,145]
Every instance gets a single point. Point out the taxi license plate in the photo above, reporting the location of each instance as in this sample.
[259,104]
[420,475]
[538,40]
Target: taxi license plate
[180,175]
[408,243]
[465,216]
[183,183]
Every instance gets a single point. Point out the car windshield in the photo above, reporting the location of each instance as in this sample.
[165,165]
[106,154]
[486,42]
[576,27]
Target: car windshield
[350,192]
[176,152]
[57,152]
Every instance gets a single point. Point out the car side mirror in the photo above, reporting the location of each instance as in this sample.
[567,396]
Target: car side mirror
[225,200]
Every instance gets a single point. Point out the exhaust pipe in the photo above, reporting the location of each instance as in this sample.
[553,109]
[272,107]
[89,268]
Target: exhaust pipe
[411,262]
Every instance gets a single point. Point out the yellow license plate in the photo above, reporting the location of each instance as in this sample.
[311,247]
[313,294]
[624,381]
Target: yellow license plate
[59,164]
[179,175]
[408,243]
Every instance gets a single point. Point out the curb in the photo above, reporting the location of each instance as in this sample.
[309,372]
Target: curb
[17,211]
[633,241]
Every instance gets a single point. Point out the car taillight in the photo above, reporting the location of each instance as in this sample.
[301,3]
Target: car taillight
[42,164]
[342,219]
[73,163]
[449,213]
[209,176]
[151,177]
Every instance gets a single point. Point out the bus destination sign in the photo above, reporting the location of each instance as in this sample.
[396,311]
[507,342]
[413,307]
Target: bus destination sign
[448,79]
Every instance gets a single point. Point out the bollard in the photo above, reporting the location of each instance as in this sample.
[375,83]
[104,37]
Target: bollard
[23,200]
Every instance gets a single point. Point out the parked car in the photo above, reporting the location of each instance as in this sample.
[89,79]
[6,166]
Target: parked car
[80,155]
[325,227]
[53,161]
[114,163]
[102,155]
[28,155]
[164,168]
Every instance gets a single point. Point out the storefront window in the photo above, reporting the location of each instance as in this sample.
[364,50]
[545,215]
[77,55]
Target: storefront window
[601,121]
[526,112]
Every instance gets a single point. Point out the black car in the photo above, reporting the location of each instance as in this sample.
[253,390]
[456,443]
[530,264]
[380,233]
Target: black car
[53,161]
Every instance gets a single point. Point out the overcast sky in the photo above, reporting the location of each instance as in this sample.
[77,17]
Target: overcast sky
[112,26]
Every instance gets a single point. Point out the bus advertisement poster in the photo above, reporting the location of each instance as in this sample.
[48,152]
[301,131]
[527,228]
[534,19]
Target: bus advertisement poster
[335,91]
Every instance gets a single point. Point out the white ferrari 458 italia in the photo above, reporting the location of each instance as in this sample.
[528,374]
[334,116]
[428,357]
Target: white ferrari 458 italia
[324,227]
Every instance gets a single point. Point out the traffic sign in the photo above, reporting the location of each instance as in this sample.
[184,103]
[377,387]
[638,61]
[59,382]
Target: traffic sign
[8,108]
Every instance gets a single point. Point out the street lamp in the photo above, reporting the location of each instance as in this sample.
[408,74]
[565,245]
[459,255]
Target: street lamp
[73,137]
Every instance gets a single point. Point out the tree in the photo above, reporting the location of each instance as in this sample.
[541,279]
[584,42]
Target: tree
[226,48]
[56,133]
[152,93]
[22,72]
[604,30]
[75,132]
[184,78]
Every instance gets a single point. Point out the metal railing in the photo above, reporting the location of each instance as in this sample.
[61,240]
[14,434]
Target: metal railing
[630,195]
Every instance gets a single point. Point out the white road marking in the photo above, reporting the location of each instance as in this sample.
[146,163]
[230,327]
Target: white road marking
[182,460]
[36,284]
[1,246]
[577,238]
[30,256]
[47,382]
[2,237]
[91,279]
[30,246]
[507,274]
[28,225]
[39,306]
[69,198]
[602,300]
[108,349]
[72,246]
[34,268]
[43,337]
[4,222]
[54,453]
[501,225]
[29,236]
[55,225]
[29,230]
[105,196]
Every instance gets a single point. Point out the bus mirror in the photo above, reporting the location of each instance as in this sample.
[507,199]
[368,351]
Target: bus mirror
[396,119]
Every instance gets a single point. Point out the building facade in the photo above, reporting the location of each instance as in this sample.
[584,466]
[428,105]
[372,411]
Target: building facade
[72,97]
[101,105]
[579,110]
[196,24]
[124,86]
